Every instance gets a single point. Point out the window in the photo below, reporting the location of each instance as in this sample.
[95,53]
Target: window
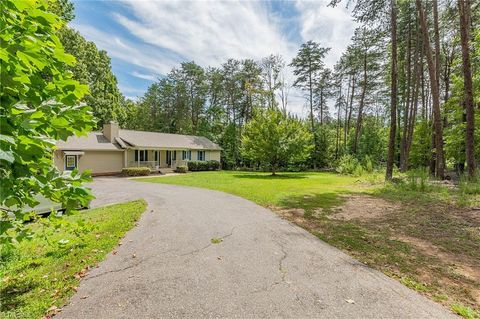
[200,155]
[141,155]
[187,155]
[174,155]
[70,162]
[157,156]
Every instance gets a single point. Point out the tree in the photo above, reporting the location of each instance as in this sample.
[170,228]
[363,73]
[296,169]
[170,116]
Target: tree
[275,139]
[393,91]
[272,67]
[93,69]
[437,121]
[465,18]
[307,64]
[39,105]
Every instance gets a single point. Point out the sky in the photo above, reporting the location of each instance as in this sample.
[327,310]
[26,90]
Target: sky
[146,39]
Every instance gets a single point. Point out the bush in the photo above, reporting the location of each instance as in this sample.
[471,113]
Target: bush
[203,165]
[181,169]
[368,164]
[136,171]
[418,180]
[347,164]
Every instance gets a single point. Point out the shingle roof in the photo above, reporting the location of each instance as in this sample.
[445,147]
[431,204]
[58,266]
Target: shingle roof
[97,141]
[93,141]
[164,140]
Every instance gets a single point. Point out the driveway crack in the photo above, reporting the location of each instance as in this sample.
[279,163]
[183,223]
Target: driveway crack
[195,251]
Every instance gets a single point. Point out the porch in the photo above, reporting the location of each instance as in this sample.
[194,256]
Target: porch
[155,159]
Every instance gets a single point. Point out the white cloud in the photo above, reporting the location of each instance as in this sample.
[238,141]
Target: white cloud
[150,77]
[133,53]
[331,27]
[208,32]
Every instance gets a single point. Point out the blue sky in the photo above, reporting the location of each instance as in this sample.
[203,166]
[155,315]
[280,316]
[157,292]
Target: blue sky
[146,39]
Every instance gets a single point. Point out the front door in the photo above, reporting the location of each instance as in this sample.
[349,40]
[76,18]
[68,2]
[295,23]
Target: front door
[169,158]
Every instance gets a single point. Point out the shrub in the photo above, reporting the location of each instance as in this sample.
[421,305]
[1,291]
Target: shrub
[203,165]
[136,171]
[368,164]
[181,169]
[418,180]
[347,164]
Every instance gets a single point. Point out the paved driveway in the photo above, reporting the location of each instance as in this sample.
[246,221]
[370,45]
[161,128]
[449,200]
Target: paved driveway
[265,267]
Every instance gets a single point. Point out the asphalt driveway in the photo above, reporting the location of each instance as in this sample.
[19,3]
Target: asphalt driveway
[264,267]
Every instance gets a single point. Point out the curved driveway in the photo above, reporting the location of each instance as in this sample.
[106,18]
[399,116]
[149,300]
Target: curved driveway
[265,267]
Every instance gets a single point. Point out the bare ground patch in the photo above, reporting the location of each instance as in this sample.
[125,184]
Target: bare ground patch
[364,207]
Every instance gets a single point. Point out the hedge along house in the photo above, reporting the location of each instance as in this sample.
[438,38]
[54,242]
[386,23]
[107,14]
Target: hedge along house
[109,151]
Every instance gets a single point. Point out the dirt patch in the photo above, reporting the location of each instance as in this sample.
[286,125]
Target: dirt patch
[297,216]
[364,207]
[460,264]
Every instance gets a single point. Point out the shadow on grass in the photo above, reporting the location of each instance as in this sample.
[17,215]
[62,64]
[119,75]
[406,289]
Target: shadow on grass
[11,294]
[268,176]
[310,202]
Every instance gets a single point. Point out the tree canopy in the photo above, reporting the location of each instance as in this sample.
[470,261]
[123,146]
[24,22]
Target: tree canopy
[275,139]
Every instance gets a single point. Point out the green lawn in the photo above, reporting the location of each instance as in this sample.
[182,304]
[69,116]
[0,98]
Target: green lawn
[39,275]
[286,189]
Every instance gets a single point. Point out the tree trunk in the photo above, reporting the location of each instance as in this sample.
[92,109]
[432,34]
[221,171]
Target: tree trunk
[358,127]
[414,104]
[313,124]
[393,89]
[346,113]
[407,112]
[464,13]
[350,108]
[437,120]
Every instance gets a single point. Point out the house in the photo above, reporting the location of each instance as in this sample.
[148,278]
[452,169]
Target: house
[107,152]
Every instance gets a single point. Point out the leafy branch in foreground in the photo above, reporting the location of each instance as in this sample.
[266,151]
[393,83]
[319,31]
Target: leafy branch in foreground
[39,105]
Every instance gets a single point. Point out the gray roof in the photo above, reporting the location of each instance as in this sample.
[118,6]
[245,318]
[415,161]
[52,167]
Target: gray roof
[164,140]
[93,141]
[128,138]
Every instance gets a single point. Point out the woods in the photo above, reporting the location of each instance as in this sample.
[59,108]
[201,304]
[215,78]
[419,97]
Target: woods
[404,93]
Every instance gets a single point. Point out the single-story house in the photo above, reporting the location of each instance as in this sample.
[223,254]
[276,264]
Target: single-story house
[109,151]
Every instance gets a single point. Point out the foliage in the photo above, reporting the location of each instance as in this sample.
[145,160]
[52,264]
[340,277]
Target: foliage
[203,165]
[93,69]
[39,105]
[181,169]
[465,311]
[276,139]
[136,171]
[349,165]
[43,273]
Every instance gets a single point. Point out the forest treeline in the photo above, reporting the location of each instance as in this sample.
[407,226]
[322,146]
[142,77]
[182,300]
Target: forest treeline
[405,93]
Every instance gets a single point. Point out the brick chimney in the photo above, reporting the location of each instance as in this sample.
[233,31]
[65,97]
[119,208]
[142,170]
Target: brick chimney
[111,130]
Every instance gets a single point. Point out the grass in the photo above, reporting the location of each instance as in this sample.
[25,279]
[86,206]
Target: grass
[39,276]
[421,243]
[285,189]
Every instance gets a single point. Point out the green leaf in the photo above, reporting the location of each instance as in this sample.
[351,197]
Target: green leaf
[7,156]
